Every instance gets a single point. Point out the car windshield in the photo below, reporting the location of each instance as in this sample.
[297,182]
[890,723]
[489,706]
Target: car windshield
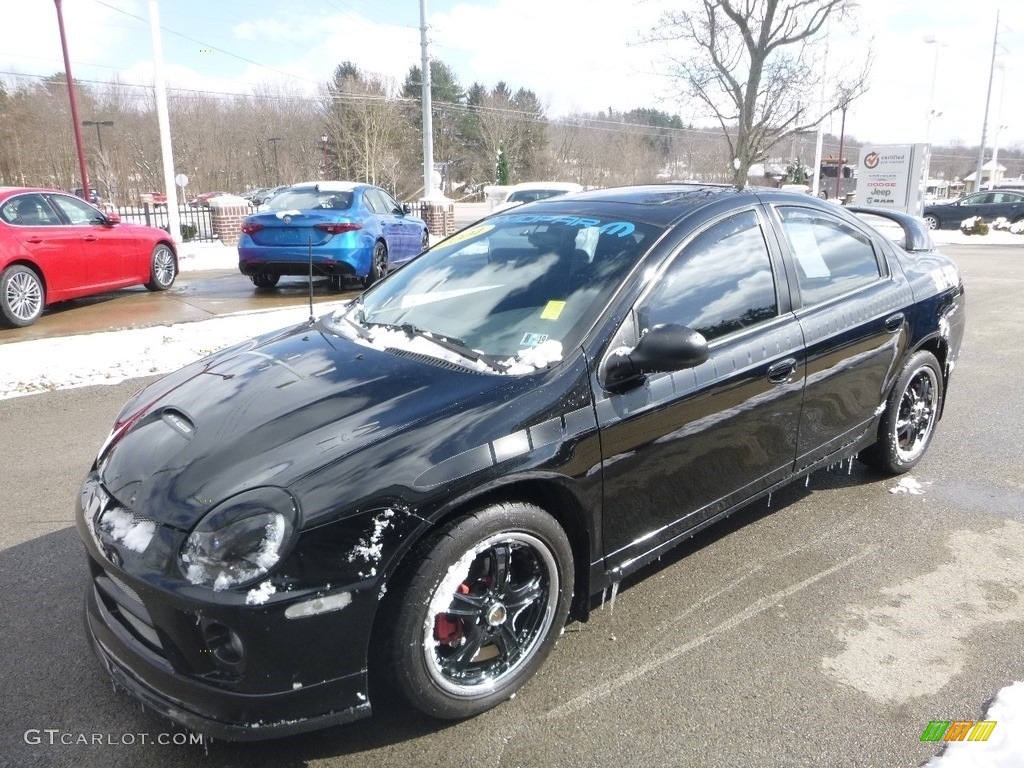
[310,198]
[507,295]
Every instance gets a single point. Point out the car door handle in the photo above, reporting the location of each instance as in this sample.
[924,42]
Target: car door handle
[90,238]
[35,239]
[894,322]
[780,372]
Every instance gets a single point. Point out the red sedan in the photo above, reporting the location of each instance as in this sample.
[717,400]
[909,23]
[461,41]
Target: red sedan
[55,247]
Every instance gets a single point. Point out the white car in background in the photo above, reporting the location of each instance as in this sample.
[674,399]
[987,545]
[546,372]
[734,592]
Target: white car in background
[530,191]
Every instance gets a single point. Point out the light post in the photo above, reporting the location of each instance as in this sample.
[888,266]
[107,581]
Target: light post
[277,172]
[842,136]
[324,138]
[98,123]
[102,161]
[932,114]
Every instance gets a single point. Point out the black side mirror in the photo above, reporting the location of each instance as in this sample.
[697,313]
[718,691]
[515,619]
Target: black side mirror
[663,348]
[406,208]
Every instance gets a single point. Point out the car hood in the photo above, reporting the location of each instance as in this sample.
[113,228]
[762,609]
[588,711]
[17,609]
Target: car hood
[268,413]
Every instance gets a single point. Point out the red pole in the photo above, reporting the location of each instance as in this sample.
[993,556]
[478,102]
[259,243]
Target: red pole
[74,103]
[842,134]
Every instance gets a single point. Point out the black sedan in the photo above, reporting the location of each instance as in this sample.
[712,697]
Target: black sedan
[420,489]
[989,205]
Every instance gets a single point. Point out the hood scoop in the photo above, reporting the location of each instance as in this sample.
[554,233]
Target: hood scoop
[149,445]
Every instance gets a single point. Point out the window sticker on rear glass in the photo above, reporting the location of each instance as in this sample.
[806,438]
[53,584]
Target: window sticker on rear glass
[533,339]
[553,310]
[805,248]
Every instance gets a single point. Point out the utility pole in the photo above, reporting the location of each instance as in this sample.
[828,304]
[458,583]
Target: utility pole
[167,156]
[277,171]
[988,98]
[428,129]
[74,101]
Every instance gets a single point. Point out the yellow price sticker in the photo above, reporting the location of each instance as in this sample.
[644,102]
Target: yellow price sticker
[553,310]
[467,234]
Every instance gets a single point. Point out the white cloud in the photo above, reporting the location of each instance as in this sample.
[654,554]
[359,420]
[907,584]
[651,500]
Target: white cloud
[575,54]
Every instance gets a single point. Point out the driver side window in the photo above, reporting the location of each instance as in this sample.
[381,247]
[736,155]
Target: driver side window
[721,282]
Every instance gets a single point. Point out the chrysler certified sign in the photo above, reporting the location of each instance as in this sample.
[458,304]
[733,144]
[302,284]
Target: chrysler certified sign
[890,176]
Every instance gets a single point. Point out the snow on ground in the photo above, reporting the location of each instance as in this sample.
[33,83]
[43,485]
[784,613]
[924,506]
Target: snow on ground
[40,365]
[1004,748]
[197,257]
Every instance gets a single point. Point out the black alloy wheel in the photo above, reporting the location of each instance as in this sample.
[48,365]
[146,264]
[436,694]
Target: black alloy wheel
[911,413]
[482,610]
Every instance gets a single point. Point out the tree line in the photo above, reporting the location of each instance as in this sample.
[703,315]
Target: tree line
[365,127]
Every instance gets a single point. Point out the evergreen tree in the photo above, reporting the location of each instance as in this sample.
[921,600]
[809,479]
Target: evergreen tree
[502,174]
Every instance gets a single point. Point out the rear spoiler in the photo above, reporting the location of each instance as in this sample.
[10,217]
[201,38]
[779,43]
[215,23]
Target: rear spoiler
[916,236]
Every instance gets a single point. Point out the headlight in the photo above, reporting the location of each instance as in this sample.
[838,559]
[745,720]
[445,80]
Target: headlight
[240,540]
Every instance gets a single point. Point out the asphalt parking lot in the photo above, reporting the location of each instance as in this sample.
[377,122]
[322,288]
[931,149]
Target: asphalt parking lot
[826,628]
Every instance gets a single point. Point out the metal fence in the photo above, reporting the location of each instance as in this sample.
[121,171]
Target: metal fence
[196,223]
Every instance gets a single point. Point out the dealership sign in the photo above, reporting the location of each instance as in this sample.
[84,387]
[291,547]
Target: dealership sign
[892,176]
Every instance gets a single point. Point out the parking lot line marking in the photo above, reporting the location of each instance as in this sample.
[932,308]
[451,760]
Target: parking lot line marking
[587,698]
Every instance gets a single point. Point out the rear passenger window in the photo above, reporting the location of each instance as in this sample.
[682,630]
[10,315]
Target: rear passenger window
[832,258]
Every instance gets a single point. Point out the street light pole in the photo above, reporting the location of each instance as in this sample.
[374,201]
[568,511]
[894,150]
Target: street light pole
[87,194]
[842,136]
[932,40]
[98,123]
[277,171]
[324,138]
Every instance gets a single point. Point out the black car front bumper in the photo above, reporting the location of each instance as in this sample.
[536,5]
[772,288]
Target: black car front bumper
[214,710]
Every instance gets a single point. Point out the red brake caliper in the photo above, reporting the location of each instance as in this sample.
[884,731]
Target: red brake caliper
[448,629]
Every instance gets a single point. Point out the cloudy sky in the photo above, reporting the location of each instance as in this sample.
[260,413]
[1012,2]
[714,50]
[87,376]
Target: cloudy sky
[575,54]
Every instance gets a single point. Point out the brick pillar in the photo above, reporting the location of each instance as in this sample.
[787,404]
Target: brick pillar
[439,217]
[227,214]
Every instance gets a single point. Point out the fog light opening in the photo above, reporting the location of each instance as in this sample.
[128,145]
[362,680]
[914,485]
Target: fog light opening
[225,645]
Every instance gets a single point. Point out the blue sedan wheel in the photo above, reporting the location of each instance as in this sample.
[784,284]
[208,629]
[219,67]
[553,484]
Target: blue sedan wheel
[378,264]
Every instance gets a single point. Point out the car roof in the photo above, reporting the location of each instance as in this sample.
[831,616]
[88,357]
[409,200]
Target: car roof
[330,186]
[663,204]
[568,186]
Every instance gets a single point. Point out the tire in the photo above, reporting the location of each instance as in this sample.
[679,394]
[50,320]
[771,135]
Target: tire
[265,282]
[378,264]
[22,296]
[932,221]
[823,195]
[162,269]
[911,413]
[486,601]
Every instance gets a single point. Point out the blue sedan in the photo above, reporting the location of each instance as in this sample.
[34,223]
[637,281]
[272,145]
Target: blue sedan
[348,230]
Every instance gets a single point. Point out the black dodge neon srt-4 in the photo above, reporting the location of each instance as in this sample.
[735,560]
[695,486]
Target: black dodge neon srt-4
[422,488]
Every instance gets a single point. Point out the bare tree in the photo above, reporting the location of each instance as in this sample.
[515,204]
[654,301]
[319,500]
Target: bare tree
[758,68]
